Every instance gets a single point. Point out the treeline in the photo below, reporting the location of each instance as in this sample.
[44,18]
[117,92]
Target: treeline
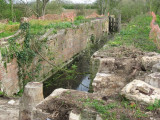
[8,12]
[73,6]
[12,10]
[128,8]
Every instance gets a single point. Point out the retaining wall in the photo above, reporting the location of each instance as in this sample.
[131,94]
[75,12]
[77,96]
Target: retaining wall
[59,48]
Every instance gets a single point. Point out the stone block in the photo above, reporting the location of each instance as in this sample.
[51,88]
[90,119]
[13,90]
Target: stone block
[108,84]
[140,91]
[33,94]
[156,67]
[149,61]
[153,79]
[74,116]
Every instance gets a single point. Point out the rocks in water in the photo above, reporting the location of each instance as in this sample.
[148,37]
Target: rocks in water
[107,84]
[140,91]
[153,79]
[150,60]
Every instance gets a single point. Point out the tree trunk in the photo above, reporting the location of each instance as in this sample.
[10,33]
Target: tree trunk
[43,9]
[38,8]
[11,2]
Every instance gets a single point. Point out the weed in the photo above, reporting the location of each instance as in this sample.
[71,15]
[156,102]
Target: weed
[140,114]
[123,117]
[19,93]
[80,18]
[154,106]
[101,108]
[1,93]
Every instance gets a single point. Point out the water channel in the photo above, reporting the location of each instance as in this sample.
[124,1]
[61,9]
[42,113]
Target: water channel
[76,75]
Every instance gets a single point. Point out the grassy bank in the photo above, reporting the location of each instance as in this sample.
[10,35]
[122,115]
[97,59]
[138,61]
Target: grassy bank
[136,33]
[8,29]
[40,27]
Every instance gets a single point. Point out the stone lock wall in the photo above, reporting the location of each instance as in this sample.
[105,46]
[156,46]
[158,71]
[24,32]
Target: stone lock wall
[61,46]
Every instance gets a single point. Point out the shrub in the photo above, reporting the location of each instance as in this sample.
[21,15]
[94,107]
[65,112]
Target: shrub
[80,18]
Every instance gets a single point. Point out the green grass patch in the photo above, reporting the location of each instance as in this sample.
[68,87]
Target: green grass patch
[8,29]
[39,27]
[154,106]
[136,33]
[101,108]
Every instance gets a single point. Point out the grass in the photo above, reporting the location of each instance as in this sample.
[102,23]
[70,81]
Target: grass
[101,108]
[136,33]
[154,106]
[8,29]
[39,27]
[111,110]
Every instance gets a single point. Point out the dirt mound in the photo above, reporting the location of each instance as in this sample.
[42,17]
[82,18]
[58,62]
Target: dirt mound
[59,107]
[123,51]
[67,16]
[94,15]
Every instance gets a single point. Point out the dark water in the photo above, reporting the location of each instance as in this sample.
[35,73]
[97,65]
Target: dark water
[84,86]
[79,78]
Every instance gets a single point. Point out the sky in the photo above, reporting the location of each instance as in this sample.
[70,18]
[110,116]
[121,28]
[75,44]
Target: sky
[82,1]
[74,1]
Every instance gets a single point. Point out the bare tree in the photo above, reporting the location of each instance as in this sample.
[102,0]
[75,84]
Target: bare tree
[44,3]
[38,8]
[11,3]
[28,7]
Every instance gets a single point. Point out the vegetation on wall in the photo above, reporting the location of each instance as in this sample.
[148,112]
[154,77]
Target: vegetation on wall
[31,48]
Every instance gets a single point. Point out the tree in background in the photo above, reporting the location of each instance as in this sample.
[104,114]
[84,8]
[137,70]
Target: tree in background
[11,4]
[54,7]
[105,6]
[7,11]
[102,6]
[44,3]
[154,6]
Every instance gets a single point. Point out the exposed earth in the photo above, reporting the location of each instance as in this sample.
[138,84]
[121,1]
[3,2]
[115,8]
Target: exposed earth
[9,111]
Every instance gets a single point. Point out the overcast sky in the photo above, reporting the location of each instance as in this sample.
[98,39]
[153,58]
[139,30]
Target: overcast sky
[82,1]
[74,1]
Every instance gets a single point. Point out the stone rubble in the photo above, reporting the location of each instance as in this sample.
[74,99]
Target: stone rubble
[109,80]
[107,84]
[153,79]
[156,68]
[149,61]
[140,91]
